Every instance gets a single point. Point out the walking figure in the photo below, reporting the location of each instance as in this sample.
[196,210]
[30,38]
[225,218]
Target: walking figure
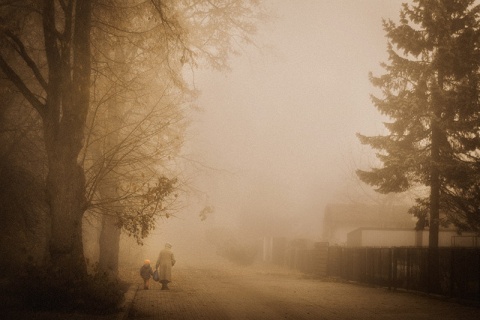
[146,272]
[164,265]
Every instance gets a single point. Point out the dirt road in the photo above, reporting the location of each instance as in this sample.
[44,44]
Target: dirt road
[218,292]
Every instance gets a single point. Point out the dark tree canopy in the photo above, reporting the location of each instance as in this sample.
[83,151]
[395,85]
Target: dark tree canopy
[430,95]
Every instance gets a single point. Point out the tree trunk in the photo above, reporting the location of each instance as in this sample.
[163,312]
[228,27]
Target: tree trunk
[109,241]
[435,184]
[433,258]
[434,190]
[66,196]
[109,246]
[68,95]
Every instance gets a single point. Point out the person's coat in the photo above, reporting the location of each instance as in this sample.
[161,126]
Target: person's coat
[164,264]
[146,271]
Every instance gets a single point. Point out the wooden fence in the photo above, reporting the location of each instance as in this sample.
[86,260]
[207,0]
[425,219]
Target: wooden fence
[312,261]
[402,267]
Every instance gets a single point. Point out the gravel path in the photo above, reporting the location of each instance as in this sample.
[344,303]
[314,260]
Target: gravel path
[225,292]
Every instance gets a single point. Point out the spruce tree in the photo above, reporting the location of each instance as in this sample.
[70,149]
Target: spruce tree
[430,96]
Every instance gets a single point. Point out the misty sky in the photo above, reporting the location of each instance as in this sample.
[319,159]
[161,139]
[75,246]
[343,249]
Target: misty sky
[280,127]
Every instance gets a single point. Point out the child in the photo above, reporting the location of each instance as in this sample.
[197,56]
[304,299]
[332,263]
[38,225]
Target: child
[145,272]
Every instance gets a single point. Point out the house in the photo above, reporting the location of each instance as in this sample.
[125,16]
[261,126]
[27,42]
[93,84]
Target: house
[340,219]
[378,237]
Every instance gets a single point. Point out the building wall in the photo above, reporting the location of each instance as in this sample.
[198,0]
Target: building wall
[381,238]
[364,237]
[389,238]
[340,219]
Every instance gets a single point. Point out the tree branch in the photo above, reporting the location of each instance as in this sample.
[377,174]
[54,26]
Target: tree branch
[18,82]
[20,48]
[50,36]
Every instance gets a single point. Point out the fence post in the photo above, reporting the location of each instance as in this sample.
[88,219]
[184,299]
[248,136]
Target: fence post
[366,265]
[478,273]
[380,264]
[394,268]
[409,269]
[390,269]
[342,263]
[452,270]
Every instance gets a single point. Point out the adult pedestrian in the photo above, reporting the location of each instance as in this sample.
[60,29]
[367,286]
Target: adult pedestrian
[164,265]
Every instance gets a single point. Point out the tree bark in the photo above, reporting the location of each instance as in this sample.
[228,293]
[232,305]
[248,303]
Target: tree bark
[435,186]
[433,258]
[434,189]
[109,240]
[109,246]
[68,94]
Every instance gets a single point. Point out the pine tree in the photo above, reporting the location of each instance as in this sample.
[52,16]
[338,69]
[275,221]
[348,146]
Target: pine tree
[431,96]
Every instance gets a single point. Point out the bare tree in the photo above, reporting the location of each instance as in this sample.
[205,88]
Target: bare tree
[60,95]
[133,115]
[139,102]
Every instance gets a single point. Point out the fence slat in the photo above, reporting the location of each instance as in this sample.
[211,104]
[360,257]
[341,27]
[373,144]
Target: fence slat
[407,268]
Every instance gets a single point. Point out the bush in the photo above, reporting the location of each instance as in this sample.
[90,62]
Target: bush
[40,289]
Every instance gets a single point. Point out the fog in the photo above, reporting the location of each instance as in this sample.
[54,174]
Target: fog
[274,141]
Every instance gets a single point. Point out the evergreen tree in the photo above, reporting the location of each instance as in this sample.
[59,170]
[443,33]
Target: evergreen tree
[430,96]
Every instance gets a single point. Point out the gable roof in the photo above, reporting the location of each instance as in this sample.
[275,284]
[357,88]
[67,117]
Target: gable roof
[363,213]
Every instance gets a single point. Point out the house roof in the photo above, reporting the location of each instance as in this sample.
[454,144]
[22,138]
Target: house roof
[362,213]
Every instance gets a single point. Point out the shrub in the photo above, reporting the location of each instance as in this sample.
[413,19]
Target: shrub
[40,289]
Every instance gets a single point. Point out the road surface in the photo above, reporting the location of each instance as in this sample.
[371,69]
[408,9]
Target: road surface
[225,292]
